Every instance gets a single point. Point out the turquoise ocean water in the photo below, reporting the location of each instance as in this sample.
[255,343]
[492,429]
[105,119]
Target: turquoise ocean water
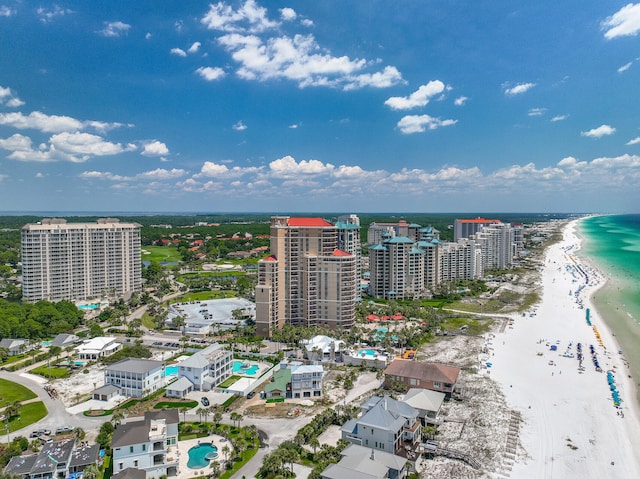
[612,244]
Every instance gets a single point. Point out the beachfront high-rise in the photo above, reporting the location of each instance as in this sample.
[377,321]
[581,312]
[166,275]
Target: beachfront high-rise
[307,280]
[463,228]
[79,261]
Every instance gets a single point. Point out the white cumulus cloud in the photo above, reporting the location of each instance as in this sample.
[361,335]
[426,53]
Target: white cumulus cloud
[288,14]
[537,111]
[625,22]
[195,46]
[178,52]
[460,101]
[602,130]
[114,29]
[154,148]
[559,118]
[210,74]
[519,89]
[239,126]
[248,18]
[48,15]
[418,98]
[635,141]
[420,123]
[6,11]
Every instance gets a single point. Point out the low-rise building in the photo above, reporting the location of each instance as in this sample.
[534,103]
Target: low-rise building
[427,403]
[422,374]
[14,346]
[97,348]
[56,459]
[322,348]
[294,380]
[207,367]
[360,462]
[148,443]
[386,425]
[135,377]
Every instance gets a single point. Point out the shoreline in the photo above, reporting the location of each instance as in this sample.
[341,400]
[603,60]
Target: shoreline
[604,300]
[571,428]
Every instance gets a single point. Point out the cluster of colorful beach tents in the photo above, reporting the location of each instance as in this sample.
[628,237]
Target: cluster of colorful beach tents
[594,357]
[614,391]
[597,333]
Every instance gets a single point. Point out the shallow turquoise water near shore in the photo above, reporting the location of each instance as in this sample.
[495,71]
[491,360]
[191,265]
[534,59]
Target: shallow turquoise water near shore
[612,244]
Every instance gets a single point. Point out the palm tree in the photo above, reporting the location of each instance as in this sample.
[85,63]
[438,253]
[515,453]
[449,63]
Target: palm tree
[91,472]
[200,411]
[13,409]
[117,417]
[225,451]
[217,417]
[314,443]
[215,468]
[184,410]
[79,433]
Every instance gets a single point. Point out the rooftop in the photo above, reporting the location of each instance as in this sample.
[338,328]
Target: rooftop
[309,222]
[423,370]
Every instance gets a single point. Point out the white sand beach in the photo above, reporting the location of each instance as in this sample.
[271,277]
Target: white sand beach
[571,428]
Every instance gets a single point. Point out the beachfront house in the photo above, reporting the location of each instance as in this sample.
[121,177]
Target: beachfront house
[135,377]
[366,463]
[386,425]
[207,368]
[98,347]
[56,459]
[427,403]
[422,374]
[148,443]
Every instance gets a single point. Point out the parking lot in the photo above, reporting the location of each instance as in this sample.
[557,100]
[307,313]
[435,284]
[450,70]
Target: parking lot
[218,312]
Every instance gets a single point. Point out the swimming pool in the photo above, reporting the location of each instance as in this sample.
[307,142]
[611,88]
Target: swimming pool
[89,306]
[200,455]
[240,367]
[171,370]
[366,352]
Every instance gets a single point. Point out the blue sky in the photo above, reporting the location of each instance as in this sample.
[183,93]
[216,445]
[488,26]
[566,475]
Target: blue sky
[337,105]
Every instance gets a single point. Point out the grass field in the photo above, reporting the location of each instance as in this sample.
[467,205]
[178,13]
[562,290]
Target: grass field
[10,392]
[29,414]
[204,295]
[51,372]
[160,253]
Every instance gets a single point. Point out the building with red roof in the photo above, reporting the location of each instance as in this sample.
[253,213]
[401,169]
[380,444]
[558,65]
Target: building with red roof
[307,280]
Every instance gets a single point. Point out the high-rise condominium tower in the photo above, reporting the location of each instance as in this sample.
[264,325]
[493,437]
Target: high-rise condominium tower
[307,280]
[78,261]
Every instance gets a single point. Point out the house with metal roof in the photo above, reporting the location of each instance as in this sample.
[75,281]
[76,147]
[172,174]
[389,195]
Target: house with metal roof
[148,444]
[207,368]
[387,425]
[295,380]
[428,404]
[14,346]
[98,347]
[360,462]
[135,377]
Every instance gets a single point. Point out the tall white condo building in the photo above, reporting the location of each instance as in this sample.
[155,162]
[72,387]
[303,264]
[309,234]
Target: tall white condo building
[78,261]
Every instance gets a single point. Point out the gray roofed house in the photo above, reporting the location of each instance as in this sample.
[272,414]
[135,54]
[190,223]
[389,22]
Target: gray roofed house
[14,345]
[84,456]
[135,377]
[387,425]
[360,462]
[130,473]
[64,340]
[179,388]
[149,444]
[427,402]
[207,367]
[106,392]
[52,460]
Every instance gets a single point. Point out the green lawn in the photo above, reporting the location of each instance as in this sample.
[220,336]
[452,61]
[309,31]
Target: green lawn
[10,392]
[29,414]
[172,404]
[228,382]
[51,372]
[160,253]
[147,321]
[204,295]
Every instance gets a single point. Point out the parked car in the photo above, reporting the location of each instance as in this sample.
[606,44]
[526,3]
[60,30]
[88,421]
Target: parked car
[251,394]
[204,401]
[63,429]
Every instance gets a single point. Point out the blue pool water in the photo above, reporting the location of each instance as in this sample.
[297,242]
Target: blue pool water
[238,369]
[171,370]
[368,352]
[89,306]
[200,455]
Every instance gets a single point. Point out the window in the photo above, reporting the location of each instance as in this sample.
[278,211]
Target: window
[120,466]
[130,448]
[436,384]
[135,463]
[144,447]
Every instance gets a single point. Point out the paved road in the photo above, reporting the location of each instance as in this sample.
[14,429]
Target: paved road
[57,414]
